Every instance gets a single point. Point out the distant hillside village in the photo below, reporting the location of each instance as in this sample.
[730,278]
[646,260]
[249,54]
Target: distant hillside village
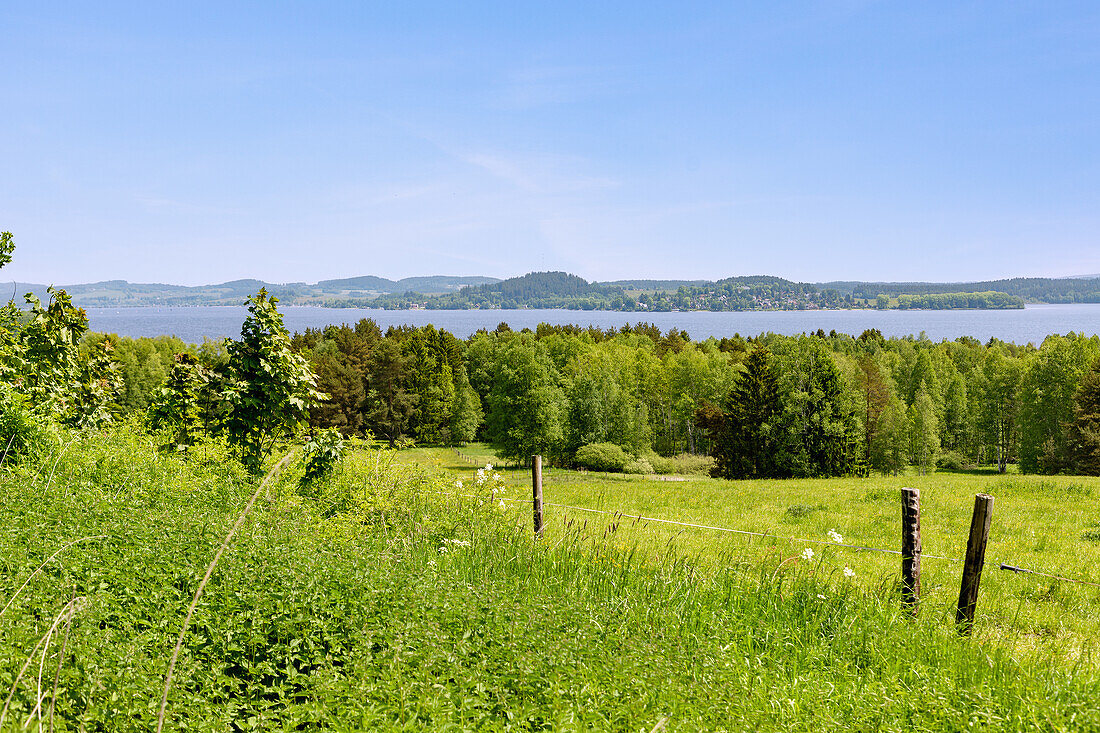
[566,291]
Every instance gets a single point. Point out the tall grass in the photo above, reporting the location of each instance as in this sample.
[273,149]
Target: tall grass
[373,601]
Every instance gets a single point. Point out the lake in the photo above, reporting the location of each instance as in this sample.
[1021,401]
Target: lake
[1031,324]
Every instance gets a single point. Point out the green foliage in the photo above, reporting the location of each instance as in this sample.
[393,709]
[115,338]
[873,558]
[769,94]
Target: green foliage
[322,452]
[601,457]
[746,440]
[924,440]
[186,407]
[638,466]
[271,388]
[378,603]
[22,431]
[7,247]
[688,464]
[951,461]
[1083,433]
[818,425]
[1046,398]
[952,301]
[525,404]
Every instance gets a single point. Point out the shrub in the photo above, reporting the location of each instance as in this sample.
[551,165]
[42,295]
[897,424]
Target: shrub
[602,457]
[952,461]
[21,431]
[687,464]
[661,464]
[322,452]
[693,464]
[638,465]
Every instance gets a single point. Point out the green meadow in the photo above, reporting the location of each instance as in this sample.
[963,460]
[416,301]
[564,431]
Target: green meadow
[378,599]
[1049,524]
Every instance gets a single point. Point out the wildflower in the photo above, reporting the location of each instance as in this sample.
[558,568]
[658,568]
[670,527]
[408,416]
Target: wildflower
[431,563]
[849,573]
[458,484]
[502,505]
[807,554]
[821,596]
[835,537]
[488,467]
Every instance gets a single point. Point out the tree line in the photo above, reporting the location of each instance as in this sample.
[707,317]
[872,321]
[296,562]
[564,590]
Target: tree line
[771,405]
[812,405]
[766,406]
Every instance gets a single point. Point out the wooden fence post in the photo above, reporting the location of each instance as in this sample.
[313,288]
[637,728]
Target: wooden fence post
[536,490]
[975,559]
[910,548]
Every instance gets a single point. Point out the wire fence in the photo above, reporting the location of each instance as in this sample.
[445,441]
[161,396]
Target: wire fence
[794,540]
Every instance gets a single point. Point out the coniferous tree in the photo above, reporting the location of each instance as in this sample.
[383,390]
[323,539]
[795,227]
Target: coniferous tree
[1083,434]
[746,445]
[389,407]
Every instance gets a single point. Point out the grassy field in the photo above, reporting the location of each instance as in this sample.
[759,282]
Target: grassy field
[1043,523]
[378,600]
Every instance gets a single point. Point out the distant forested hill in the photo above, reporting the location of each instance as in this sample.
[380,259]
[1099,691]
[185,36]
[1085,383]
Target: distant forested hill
[754,292]
[346,292]
[563,290]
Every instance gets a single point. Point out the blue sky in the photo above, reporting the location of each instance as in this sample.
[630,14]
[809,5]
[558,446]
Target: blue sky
[194,143]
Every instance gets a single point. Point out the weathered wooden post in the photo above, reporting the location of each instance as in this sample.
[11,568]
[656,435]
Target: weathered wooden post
[910,548]
[536,490]
[975,559]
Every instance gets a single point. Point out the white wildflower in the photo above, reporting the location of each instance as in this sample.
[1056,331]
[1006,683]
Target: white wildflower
[488,467]
[502,505]
[807,554]
[835,537]
[849,573]
[431,563]
[458,484]
[821,596]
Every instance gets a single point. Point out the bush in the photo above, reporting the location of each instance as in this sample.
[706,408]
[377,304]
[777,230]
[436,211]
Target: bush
[638,465]
[21,431]
[322,452]
[602,457]
[950,460]
[687,464]
[661,464]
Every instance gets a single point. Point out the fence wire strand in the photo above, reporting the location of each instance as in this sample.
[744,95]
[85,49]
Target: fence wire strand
[989,563]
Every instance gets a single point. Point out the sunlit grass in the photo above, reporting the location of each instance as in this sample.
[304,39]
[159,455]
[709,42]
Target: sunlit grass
[1050,524]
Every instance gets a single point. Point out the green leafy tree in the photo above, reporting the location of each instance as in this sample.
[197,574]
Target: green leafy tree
[890,450]
[924,440]
[1046,396]
[178,406]
[271,388]
[525,405]
[7,247]
[1000,406]
[956,428]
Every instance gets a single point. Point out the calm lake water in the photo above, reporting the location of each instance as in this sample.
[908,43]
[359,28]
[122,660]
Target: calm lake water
[1032,324]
